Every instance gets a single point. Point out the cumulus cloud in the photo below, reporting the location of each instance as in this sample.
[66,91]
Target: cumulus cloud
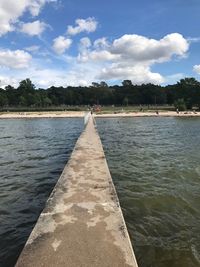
[33,28]
[17,59]
[61,44]
[140,48]
[139,74]
[132,56]
[53,77]
[196,69]
[97,56]
[85,43]
[11,11]
[83,25]
[101,43]
[45,77]
[5,80]
[129,57]
[35,6]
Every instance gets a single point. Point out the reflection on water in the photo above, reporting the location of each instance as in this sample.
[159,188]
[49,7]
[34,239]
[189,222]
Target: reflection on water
[155,165]
[32,156]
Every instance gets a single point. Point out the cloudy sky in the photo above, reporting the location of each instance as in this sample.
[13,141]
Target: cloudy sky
[76,42]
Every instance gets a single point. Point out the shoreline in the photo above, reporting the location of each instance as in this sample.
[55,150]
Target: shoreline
[42,115]
[80,114]
[149,114]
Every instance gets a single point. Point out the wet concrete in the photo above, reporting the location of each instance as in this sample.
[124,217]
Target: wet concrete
[82,223]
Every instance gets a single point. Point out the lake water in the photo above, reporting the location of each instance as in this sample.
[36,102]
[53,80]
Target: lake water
[33,154]
[155,165]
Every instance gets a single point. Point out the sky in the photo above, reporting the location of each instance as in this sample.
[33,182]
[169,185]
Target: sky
[76,42]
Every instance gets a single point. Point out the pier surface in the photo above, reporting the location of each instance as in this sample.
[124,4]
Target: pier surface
[82,224]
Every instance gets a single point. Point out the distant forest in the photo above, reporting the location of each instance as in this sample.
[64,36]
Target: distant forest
[184,94]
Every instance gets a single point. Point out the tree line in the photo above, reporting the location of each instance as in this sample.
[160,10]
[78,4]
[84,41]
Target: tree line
[184,94]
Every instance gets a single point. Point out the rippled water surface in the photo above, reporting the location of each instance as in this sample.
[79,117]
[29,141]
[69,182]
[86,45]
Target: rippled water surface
[32,155]
[155,165]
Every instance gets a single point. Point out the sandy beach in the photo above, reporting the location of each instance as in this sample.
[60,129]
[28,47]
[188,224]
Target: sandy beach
[30,115]
[150,114]
[80,114]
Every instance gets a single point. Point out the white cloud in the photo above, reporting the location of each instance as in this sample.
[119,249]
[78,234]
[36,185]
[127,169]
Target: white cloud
[61,44]
[32,48]
[33,28]
[196,69]
[96,56]
[4,81]
[83,25]
[53,77]
[138,74]
[193,39]
[101,43]
[97,61]
[173,78]
[35,6]
[17,59]
[45,77]
[132,56]
[85,43]
[140,48]
[11,11]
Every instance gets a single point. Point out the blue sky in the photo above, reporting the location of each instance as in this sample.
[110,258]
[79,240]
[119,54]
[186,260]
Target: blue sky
[76,42]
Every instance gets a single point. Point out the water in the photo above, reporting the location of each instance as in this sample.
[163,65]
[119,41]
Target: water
[33,153]
[155,165]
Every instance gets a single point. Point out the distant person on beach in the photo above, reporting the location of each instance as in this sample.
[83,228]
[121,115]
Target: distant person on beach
[177,111]
[157,113]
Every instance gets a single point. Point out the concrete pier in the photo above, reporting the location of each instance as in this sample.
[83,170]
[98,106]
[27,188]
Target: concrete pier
[82,224]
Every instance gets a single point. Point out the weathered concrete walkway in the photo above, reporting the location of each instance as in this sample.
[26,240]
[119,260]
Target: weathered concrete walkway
[82,224]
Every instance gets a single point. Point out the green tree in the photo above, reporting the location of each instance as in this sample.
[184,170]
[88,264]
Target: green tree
[26,86]
[127,83]
[3,100]
[189,82]
[22,101]
[103,84]
[94,84]
[47,102]
[180,104]
[9,88]
[125,101]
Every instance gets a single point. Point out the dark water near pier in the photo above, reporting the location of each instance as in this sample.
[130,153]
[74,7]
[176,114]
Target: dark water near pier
[33,153]
[155,165]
